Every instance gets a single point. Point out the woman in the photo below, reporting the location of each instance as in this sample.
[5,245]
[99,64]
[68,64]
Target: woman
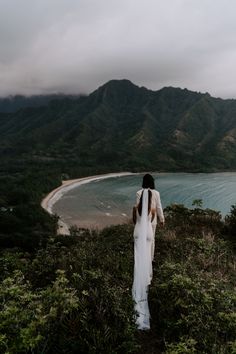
[145,213]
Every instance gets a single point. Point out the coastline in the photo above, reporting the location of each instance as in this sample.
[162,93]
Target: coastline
[92,222]
[50,199]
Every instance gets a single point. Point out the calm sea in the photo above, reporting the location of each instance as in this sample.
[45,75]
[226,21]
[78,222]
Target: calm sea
[110,201]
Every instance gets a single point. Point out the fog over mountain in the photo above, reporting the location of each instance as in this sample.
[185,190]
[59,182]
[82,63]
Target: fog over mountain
[72,46]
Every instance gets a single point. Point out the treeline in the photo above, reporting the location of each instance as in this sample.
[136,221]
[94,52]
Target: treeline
[23,223]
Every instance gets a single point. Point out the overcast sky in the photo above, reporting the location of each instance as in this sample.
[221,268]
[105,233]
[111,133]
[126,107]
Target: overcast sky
[74,46]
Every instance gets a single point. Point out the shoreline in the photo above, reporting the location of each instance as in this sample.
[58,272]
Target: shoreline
[52,197]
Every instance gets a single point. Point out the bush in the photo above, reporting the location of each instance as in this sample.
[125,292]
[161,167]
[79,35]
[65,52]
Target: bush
[230,225]
[188,304]
[183,220]
[84,307]
[74,295]
[28,318]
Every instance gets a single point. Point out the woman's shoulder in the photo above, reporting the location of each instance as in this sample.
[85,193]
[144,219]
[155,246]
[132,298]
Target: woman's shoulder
[139,192]
[155,192]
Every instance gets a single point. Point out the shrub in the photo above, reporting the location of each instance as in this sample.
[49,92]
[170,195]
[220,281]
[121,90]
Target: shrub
[74,295]
[84,307]
[230,225]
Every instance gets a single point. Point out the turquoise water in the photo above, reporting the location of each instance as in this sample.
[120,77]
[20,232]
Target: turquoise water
[110,201]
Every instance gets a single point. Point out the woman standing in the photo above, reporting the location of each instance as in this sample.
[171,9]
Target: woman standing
[145,213]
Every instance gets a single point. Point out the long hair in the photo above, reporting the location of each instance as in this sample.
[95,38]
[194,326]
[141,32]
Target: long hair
[141,202]
[148,181]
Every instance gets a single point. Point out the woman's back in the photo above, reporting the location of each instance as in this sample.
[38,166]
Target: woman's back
[155,204]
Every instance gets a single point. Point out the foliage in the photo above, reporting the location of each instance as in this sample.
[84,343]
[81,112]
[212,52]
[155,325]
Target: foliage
[75,294]
[192,305]
[121,126]
[192,297]
[184,220]
[230,225]
[29,318]
[99,315]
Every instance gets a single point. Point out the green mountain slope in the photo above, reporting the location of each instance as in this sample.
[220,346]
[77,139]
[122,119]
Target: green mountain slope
[121,125]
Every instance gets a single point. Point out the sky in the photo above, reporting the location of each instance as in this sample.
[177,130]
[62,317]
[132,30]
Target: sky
[75,46]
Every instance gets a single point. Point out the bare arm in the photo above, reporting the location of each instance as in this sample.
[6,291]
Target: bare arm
[138,196]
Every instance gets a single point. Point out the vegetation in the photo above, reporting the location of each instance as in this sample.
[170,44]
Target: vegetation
[23,223]
[121,126]
[74,294]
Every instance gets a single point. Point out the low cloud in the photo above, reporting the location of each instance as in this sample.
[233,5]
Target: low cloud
[74,46]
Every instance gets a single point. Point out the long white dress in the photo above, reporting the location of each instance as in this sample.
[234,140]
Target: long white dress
[143,238]
[144,244]
[157,207]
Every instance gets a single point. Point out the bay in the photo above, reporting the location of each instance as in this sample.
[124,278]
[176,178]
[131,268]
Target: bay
[105,202]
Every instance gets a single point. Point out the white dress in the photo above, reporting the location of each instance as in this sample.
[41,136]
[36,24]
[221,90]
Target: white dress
[155,205]
[144,238]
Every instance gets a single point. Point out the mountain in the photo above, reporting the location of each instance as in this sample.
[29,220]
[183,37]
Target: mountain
[14,103]
[123,126]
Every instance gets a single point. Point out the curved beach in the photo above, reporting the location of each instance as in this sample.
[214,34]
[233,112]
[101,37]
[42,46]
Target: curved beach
[48,202]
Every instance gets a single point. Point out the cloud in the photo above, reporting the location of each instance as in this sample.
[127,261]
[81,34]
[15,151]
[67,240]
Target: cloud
[74,46]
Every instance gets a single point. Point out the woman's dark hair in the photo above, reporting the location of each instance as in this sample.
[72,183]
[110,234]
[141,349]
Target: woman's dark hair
[148,181]
[140,205]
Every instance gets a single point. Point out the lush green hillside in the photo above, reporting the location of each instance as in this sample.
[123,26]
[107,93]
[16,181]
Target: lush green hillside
[74,295]
[122,126]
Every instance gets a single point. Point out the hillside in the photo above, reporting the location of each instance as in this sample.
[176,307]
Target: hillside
[74,295]
[123,126]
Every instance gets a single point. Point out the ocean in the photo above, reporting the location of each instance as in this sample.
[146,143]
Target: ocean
[105,202]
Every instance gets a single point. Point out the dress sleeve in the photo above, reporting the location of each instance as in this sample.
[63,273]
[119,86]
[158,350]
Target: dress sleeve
[138,196]
[159,207]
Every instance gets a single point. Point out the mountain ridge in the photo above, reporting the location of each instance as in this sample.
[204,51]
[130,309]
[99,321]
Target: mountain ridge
[126,126]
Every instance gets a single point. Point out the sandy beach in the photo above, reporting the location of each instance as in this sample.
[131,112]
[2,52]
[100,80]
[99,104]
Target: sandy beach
[48,202]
